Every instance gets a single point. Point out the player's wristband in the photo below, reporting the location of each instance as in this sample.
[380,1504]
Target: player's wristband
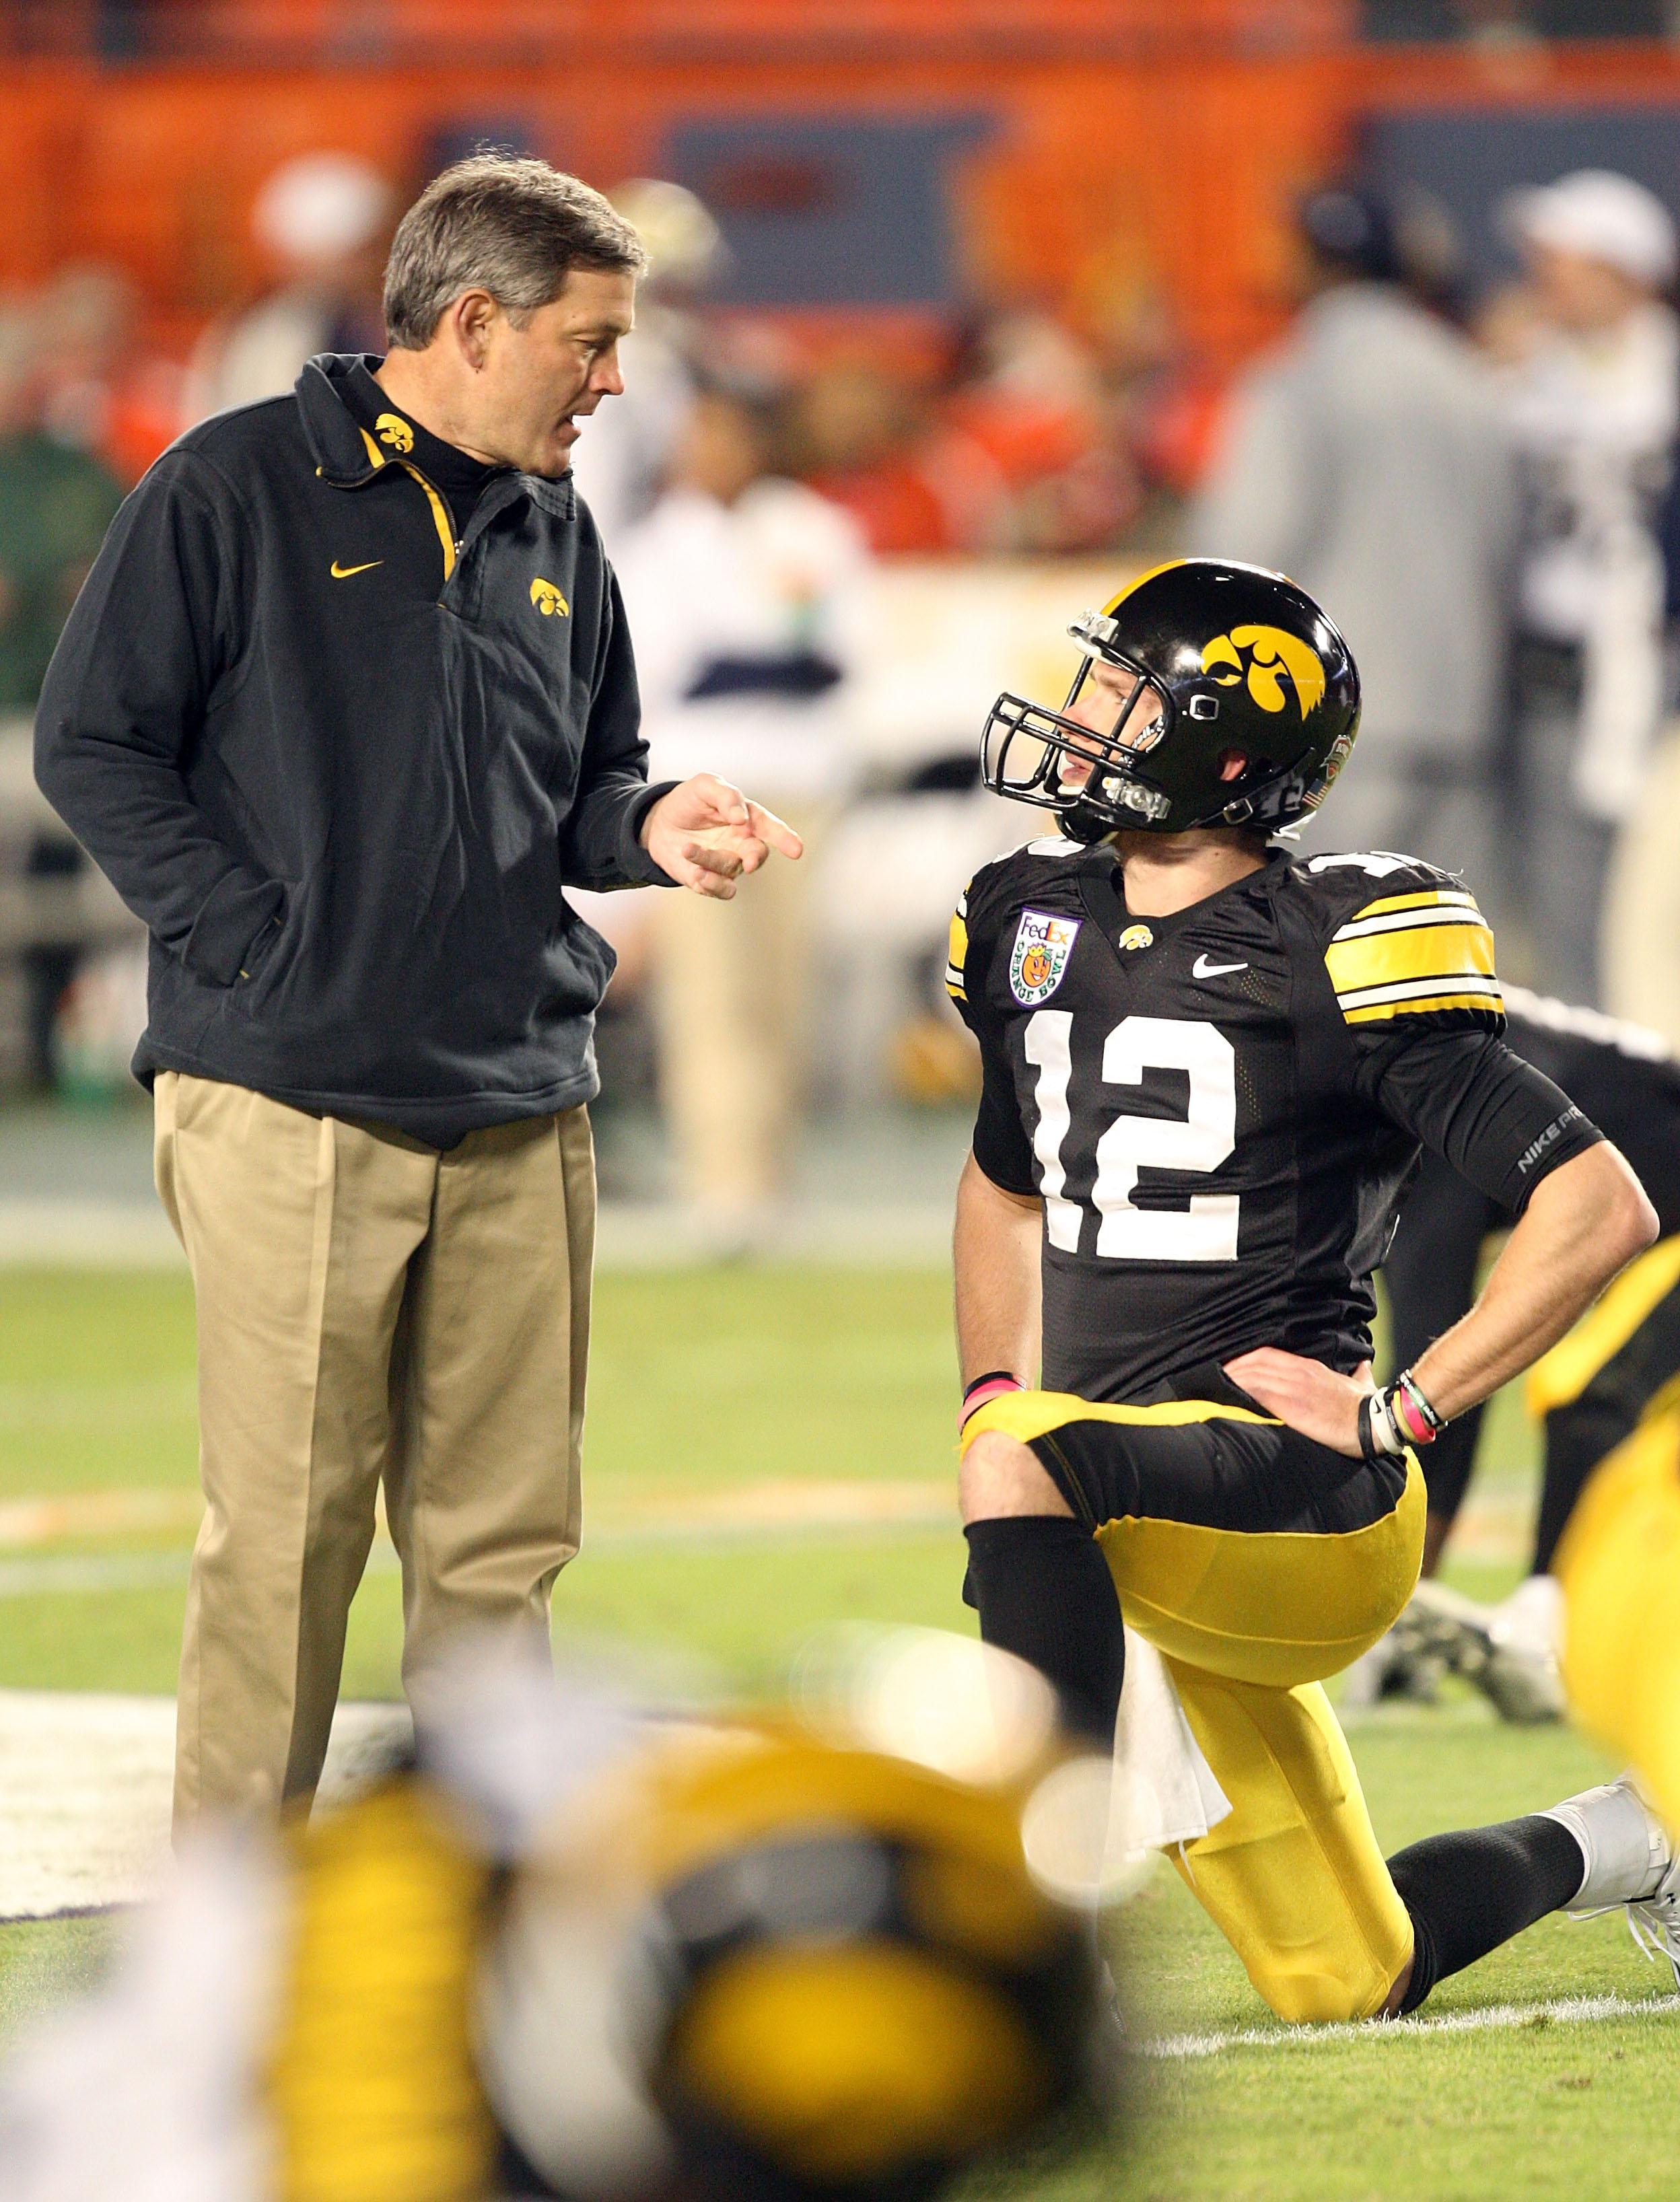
[1379,1434]
[992,1386]
[1416,1412]
[1394,1418]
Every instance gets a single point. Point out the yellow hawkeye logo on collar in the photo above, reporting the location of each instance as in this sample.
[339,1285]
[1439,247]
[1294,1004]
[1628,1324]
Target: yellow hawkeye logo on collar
[392,428]
[548,599]
[343,573]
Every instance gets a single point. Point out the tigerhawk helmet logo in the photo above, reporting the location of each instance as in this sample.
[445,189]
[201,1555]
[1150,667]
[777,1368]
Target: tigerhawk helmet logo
[547,598]
[392,428]
[1273,655]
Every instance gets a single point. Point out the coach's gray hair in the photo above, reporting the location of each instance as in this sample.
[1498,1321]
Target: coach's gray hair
[515,228]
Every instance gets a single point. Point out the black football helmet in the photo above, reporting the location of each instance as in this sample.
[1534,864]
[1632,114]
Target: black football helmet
[1235,703]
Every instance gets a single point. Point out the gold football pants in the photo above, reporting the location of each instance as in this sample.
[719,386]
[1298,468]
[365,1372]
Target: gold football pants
[1249,1623]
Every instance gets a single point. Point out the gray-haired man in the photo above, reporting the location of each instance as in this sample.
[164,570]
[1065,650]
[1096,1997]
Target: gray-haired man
[347,700]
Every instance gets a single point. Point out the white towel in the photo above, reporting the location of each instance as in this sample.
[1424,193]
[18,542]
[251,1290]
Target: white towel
[1164,1790]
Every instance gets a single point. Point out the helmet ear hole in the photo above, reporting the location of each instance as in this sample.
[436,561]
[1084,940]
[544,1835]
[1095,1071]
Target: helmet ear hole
[1232,765]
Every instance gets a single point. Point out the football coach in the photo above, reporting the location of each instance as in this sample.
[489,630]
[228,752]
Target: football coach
[345,704]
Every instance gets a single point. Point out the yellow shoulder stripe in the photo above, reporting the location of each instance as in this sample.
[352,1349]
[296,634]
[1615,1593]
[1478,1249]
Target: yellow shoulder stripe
[956,968]
[1564,1374]
[1409,955]
[1431,951]
[1426,1004]
[1430,898]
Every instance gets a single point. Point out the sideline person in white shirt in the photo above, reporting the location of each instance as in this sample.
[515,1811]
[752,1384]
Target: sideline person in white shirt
[747,594]
[1594,402]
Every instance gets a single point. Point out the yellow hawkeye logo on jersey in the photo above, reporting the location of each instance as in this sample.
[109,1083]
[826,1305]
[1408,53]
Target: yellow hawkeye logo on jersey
[1137,936]
[392,428]
[1043,943]
[1274,659]
[548,599]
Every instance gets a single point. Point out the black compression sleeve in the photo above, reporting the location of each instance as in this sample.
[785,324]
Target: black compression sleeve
[1430,1276]
[1467,1097]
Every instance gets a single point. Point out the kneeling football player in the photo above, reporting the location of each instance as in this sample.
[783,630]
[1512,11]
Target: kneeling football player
[1209,1070]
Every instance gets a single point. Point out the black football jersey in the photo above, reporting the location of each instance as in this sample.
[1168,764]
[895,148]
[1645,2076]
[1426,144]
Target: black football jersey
[1221,1109]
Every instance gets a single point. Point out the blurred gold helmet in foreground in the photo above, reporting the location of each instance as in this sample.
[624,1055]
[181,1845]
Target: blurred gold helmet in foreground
[831,1973]
[834,1954]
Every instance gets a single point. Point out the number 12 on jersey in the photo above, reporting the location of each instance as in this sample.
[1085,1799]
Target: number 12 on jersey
[1204,1232]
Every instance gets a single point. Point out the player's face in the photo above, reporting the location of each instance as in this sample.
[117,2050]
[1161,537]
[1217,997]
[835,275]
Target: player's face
[1101,705]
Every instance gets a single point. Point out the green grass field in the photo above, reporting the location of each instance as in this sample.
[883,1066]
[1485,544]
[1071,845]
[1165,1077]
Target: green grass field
[707,1386]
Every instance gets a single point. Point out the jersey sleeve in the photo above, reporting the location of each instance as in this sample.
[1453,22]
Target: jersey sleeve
[1501,1122]
[1001,1143]
[1411,961]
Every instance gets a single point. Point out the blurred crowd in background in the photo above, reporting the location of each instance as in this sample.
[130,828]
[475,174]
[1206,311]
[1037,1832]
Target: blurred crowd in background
[834,555]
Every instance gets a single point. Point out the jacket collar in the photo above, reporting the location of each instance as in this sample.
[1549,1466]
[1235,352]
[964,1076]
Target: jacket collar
[341,450]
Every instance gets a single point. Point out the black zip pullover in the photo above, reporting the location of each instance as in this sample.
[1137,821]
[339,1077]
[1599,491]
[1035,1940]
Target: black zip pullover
[341,762]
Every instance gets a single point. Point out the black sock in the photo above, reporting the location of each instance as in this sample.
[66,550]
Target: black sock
[1044,1592]
[1470,1891]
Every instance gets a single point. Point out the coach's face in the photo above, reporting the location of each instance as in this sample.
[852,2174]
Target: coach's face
[532,385]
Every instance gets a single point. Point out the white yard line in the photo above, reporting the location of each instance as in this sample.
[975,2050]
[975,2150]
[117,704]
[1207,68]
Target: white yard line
[98,1572]
[1569,2010]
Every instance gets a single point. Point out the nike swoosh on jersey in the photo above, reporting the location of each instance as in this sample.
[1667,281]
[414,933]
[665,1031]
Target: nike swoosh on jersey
[343,573]
[1201,968]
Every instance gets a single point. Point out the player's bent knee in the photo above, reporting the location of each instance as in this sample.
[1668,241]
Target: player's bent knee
[999,1476]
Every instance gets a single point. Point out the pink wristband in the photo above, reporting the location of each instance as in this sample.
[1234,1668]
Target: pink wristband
[982,1389]
[1405,1412]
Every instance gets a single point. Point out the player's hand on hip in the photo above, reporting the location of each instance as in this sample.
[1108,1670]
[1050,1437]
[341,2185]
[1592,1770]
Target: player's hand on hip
[1305,1394]
[706,834]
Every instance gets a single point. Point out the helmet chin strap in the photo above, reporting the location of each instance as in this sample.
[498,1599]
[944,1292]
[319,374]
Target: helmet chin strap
[1084,821]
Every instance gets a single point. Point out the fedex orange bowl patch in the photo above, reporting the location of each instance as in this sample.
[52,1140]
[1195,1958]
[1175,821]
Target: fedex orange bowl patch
[1043,943]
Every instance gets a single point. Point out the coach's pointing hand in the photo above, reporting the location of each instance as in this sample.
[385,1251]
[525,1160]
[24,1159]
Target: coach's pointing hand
[705,833]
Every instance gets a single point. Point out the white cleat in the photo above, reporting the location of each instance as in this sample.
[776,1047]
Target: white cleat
[1654,1923]
[1631,1862]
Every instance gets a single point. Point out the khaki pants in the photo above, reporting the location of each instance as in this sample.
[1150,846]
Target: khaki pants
[369,1310]
[732,999]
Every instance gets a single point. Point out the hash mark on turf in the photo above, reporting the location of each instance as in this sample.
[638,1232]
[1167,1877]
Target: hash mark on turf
[1570,2010]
